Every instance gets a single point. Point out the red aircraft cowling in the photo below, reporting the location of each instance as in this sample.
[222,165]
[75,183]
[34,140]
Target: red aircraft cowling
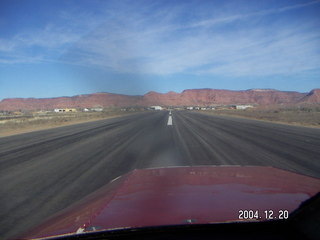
[183,195]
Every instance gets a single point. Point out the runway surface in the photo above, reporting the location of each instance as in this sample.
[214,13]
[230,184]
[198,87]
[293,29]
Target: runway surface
[45,171]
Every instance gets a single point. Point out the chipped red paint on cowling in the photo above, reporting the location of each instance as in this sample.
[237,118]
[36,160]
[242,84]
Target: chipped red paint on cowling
[176,195]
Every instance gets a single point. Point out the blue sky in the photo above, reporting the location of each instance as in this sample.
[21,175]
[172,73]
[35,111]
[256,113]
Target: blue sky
[51,48]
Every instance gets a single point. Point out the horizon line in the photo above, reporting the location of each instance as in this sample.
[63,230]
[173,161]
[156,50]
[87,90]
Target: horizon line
[151,91]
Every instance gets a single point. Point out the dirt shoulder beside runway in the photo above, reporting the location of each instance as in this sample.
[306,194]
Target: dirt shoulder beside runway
[17,124]
[299,116]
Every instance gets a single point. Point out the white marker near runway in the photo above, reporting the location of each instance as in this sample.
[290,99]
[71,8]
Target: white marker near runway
[169,120]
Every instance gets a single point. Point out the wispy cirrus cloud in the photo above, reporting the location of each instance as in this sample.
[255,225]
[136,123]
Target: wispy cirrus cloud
[170,48]
[140,39]
[37,45]
[227,19]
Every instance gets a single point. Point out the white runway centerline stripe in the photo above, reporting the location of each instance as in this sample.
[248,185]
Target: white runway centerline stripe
[170,120]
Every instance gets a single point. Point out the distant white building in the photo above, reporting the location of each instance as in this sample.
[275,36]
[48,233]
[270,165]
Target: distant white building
[189,108]
[156,108]
[62,110]
[97,109]
[243,106]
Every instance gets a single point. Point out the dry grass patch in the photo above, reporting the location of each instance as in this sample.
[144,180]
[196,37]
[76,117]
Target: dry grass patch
[308,115]
[15,124]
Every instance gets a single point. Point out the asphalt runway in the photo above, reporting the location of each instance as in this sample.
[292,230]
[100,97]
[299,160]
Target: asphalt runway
[45,171]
